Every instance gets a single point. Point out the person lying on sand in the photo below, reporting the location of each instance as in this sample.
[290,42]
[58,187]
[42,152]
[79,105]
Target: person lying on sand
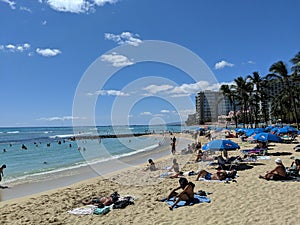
[186,195]
[102,201]
[219,175]
[279,173]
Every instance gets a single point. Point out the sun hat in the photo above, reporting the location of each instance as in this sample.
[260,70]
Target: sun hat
[278,160]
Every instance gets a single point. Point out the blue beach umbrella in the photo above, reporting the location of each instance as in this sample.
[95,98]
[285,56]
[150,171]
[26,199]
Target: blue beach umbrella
[250,132]
[264,137]
[259,130]
[274,129]
[219,145]
[286,129]
[268,128]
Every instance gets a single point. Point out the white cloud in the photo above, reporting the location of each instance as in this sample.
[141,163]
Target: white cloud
[154,89]
[116,60]
[10,3]
[250,62]
[182,90]
[222,64]
[59,118]
[103,2]
[124,38]
[109,93]
[47,52]
[146,114]
[77,6]
[164,111]
[73,6]
[22,8]
[15,48]
[44,22]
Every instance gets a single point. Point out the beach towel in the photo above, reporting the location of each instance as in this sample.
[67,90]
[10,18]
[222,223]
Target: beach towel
[197,199]
[84,210]
[263,157]
[102,211]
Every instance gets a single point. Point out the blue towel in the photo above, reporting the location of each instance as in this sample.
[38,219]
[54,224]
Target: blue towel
[197,199]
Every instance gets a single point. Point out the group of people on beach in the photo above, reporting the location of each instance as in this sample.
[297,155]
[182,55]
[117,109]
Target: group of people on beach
[280,172]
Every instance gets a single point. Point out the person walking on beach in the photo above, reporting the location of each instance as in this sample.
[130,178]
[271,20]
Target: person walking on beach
[173,145]
[1,171]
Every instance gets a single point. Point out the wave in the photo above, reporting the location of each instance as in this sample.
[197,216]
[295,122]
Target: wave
[71,135]
[41,174]
[13,132]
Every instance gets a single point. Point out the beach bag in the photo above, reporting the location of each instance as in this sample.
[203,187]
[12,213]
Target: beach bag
[121,204]
[115,196]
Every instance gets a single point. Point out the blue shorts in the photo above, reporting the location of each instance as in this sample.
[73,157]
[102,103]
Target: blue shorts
[208,176]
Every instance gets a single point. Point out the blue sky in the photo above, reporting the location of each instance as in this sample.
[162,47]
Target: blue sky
[46,47]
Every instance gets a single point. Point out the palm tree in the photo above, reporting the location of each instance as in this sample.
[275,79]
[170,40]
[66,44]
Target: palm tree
[242,88]
[229,93]
[296,62]
[278,70]
[264,99]
[256,81]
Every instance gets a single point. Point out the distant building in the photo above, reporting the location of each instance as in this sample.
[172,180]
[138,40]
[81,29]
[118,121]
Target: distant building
[210,105]
[191,120]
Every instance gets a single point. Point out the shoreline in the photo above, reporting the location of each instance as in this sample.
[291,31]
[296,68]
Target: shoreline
[250,200]
[47,182]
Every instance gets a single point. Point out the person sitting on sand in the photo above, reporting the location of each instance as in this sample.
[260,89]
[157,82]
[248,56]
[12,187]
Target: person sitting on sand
[279,173]
[175,166]
[294,168]
[199,155]
[186,195]
[151,166]
[102,201]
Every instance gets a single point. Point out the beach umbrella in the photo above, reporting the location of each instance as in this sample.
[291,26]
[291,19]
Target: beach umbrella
[250,132]
[264,137]
[219,145]
[259,130]
[287,129]
[240,130]
[274,129]
[268,128]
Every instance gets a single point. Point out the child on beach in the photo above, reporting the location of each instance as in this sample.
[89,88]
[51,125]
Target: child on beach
[151,166]
[1,171]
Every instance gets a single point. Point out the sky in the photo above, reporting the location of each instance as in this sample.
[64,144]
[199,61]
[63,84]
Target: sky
[119,62]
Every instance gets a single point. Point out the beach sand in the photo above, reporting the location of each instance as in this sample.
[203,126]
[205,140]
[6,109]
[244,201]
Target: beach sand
[248,201]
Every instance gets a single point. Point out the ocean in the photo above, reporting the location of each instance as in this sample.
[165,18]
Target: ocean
[49,149]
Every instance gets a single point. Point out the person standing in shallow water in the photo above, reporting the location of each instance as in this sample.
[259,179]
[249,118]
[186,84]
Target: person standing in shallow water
[1,171]
[173,145]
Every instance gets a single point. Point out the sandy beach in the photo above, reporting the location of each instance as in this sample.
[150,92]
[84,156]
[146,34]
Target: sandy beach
[250,200]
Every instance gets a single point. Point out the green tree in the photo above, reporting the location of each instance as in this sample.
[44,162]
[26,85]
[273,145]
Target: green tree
[279,71]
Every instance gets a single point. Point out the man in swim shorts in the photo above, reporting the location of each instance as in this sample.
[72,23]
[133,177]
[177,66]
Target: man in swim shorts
[219,175]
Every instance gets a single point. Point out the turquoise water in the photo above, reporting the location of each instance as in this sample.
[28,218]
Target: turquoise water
[49,149]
